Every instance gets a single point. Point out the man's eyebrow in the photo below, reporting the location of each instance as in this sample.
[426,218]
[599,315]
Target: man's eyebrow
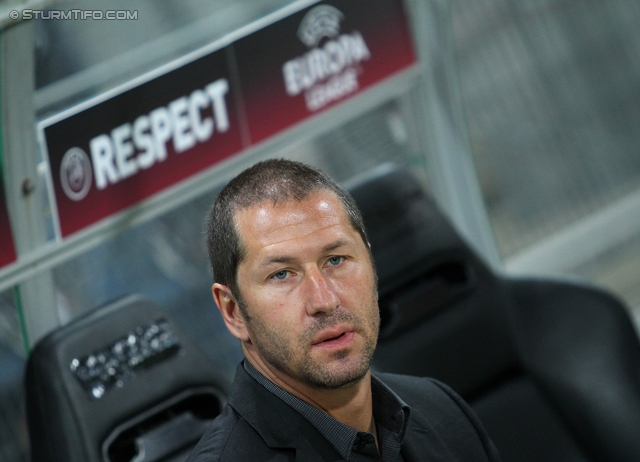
[335,245]
[277,259]
[288,259]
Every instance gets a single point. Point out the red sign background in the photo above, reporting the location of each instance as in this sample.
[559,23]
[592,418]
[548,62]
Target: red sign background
[78,130]
[7,248]
[267,109]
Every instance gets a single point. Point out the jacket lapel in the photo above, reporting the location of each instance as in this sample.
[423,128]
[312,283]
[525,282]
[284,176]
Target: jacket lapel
[280,426]
[422,439]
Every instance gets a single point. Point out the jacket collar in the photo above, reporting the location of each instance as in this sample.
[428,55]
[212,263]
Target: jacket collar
[421,438]
[280,426]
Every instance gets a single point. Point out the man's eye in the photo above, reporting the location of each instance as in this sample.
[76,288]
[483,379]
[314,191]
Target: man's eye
[281,275]
[333,261]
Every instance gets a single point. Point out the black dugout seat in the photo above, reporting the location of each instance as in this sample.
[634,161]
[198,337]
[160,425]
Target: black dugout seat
[123,383]
[551,367]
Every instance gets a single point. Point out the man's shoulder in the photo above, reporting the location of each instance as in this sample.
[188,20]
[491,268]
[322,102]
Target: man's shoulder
[437,407]
[424,392]
[228,438]
[213,443]
[254,425]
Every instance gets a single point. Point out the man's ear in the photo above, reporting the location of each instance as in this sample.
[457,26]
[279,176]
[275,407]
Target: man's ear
[230,311]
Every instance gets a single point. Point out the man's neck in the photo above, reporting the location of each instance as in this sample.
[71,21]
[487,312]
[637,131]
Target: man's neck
[351,405]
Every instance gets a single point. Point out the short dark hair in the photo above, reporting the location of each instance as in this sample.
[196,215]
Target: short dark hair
[274,180]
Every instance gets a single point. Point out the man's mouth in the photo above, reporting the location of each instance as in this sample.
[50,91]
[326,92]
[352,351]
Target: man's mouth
[334,338]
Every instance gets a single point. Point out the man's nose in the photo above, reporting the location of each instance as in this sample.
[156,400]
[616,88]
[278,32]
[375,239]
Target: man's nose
[320,295]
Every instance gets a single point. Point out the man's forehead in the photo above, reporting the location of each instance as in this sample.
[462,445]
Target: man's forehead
[321,199]
[266,222]
[320,205]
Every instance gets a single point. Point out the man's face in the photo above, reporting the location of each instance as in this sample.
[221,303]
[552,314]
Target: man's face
[309,289]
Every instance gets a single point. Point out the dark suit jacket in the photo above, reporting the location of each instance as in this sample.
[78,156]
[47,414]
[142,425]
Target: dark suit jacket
[258,426]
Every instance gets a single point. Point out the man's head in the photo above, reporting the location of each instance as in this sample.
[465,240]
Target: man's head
[275,181]
[294,274]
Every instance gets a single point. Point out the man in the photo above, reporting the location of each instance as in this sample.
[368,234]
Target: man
[296,284]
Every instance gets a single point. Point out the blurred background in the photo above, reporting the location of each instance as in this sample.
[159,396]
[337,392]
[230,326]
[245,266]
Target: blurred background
[522,120]
[550,95]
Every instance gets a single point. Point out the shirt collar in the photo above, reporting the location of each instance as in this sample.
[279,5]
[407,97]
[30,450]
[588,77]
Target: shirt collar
[390,413]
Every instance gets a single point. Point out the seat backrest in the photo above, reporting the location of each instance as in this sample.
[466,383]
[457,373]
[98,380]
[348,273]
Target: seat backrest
[551,367]
[441,307]
[122,383]
[580,346]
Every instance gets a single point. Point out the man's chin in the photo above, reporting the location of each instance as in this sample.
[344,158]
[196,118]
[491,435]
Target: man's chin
[334,376]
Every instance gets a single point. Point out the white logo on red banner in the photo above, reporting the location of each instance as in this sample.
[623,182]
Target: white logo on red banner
[75,174]
[322,21]
[329,72]
[133,147]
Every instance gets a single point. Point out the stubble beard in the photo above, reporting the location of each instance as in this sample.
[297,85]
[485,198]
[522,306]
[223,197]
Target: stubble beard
[346,368]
